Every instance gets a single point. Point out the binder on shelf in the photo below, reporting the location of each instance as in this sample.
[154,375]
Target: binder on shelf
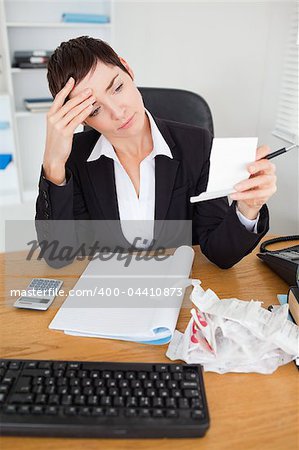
[28,59]
[4,125]
[38,104]
[5,159]
[85,18]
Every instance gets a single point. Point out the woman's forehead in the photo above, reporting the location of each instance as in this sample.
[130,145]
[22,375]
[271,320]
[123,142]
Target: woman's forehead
[99,77]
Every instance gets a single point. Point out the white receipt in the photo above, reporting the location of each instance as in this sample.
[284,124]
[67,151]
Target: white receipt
[228,165]
[233,335]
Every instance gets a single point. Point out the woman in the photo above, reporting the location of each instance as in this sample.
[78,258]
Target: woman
[134,166]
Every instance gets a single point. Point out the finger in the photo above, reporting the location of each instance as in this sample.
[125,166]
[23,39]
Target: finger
[76,111]
[262,151]
[263,164]
[254,194]
[258,181]
[86,94]
[78,119]
[61,96]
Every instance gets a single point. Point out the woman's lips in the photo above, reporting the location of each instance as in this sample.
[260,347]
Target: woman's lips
[127,124]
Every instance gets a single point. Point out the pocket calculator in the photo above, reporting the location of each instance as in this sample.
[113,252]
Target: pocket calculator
[40,294]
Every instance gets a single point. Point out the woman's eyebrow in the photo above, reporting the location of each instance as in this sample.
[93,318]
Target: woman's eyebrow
[111,83]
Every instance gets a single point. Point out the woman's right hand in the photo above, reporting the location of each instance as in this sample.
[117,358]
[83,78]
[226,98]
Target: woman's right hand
[62,120]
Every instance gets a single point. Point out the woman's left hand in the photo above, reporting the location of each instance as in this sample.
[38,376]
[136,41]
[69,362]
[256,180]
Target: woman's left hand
[254,192]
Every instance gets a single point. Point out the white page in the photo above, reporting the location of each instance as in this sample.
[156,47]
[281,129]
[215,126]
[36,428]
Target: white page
[229,158]
[125,316]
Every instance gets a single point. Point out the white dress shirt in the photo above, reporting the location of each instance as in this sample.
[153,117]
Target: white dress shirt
[142,209]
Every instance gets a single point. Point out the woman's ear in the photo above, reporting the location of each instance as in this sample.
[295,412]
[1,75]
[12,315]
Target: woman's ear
[124,63]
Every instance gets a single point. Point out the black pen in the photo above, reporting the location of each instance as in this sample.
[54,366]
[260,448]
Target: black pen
[280,152]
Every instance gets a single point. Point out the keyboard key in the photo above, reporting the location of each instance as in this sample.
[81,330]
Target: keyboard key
[171,413]
[14,365]
[130,375]
[45,365]
[132,401]
[30,365]
[84,411]
[66,400]
[166,376]
[154,376]
[24,409]
[41,399]
[158,413]
[70,410]
[79,400]
[111,383]
[54,399]
[97,411]
[74,366]
[131,412]
[37,409]
[144,401]
[51,410]
[118,401]
[21,398]
[191,376]
[188,384]
[145,412]
[196,403]
[183,403]
[10,409]
[170,403]
[158,402]
[161,368]
[112,412]
[189,393]
[105,401]
[23,385]
[4,388]
[197,414]
[142,375]
[119,375]
[176,368]
[92,400]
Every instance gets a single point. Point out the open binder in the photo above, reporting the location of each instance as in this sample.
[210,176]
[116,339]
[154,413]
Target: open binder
[140,302]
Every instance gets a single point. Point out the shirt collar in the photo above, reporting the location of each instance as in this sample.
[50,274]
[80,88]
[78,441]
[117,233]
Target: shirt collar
[160,147]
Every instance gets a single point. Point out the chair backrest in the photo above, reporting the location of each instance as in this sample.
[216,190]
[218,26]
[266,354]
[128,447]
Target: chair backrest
[178,105]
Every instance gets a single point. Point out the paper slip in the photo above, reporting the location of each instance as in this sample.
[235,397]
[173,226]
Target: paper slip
[233,335]
[228,161]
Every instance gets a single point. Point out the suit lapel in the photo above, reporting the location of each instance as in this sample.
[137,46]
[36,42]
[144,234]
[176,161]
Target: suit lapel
[101,175]
[165,173]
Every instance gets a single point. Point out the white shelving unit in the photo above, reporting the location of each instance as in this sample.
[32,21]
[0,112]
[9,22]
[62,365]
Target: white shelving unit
[36,25]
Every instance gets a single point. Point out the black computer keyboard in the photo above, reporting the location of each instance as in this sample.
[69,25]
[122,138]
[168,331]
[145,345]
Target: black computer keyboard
[102,399]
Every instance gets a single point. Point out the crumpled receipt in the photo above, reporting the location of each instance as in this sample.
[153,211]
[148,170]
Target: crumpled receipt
[232,335]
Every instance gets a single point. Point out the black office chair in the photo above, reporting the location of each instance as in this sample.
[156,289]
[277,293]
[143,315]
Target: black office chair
[177,105]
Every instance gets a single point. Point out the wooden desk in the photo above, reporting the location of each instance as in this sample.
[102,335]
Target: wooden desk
[248,411]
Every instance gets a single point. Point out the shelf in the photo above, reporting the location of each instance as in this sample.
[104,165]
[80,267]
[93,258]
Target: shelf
[20,114]
[56,25]
[18,70]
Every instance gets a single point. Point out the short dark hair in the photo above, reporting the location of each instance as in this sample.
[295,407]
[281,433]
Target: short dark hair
[75,58]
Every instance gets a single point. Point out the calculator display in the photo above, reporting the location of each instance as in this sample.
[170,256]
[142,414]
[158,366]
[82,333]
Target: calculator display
[33,300]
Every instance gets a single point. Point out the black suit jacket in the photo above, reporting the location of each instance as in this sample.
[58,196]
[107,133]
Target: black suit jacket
[90,192]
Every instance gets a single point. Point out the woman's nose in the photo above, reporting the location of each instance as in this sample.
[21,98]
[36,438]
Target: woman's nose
[117,112]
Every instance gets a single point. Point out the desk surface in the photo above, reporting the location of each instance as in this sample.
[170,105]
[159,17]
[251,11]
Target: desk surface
[248,411]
